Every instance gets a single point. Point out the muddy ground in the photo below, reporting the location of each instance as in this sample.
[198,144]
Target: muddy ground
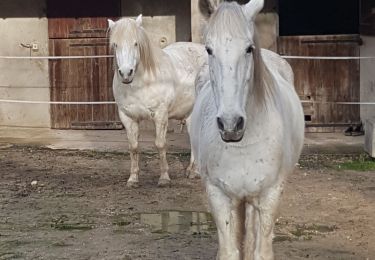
[74,205]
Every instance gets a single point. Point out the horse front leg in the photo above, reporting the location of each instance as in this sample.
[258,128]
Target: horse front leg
[250,235]
[132,132]
[267,206]
[228,219]
[161,126]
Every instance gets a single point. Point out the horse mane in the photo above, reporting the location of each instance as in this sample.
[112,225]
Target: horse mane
[126,31]
[230,19]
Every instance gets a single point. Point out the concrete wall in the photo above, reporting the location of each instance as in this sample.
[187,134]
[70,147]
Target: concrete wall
[163,8]
[268,29]
[160,29]
[367,78]
[197,23]
[23,79]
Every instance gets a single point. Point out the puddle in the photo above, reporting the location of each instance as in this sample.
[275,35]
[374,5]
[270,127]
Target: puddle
[179,222]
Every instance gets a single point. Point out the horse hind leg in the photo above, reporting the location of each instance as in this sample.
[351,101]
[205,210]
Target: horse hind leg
[160,143]
[191,171]
[132,132]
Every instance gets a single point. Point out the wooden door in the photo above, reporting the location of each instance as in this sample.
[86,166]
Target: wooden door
[325,80]
[79,28]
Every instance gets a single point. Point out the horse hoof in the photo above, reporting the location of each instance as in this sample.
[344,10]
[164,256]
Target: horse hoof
[132,184]
[194,176]
[164,183]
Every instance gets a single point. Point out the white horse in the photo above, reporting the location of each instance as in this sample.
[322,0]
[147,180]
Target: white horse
[247,130]
[151,84]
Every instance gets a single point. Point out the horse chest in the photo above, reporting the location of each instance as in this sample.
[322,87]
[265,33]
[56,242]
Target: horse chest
[141,104]
[138,108]
[244,172]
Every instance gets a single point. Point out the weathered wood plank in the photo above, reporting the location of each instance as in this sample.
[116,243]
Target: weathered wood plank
[325,80]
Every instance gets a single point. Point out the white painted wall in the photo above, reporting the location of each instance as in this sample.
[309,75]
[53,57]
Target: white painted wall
[268,29]
[367,75]
[24,79]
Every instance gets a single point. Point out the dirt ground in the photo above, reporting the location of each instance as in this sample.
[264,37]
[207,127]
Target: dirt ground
[74,205]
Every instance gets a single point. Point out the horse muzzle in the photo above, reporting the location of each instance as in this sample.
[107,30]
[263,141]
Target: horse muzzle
[231,129]
[126,76]
[127,81]
[232,136]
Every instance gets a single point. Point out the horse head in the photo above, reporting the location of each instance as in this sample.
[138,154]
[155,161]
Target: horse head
[131,47]
[231,44]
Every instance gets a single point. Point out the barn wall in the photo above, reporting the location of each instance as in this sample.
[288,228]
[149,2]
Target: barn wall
[23,22]
[178,11]
[367,77]
[197,22]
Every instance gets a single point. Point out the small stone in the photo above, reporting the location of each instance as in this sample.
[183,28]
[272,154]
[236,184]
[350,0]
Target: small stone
[34,183]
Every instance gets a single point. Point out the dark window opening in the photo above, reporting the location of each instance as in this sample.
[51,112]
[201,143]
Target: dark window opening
[367,17]
[308,118]
[269,5]
[319,17]
[83,8]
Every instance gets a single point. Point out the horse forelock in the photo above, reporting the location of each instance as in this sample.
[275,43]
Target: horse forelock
[127,32]
[229,20]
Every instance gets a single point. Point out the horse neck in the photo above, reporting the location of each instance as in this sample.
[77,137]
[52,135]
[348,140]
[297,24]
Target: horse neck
[261,96]
[147,74]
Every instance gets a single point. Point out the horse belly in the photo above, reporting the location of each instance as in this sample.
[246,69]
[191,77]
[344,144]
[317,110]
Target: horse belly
[187,58]
[243,173]
[182,106]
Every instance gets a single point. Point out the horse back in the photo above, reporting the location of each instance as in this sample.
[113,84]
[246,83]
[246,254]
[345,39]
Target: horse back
[187,58]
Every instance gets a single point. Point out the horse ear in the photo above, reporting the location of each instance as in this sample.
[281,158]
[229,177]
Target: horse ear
[207,8]
[110,24]
[139,20]
[252,8]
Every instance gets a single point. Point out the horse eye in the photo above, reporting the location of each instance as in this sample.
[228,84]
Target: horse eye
[136,44]
[250,49]
[209,50]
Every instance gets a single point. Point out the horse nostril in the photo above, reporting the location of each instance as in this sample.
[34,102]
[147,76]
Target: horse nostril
[130,72]
[240,124]
[220,124]
[121,74]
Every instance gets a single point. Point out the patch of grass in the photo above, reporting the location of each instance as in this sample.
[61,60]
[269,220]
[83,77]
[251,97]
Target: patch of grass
[72,226]
[60,244]
[121,223]
[63,224]
[282,238]
[306,231]
[362,163]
